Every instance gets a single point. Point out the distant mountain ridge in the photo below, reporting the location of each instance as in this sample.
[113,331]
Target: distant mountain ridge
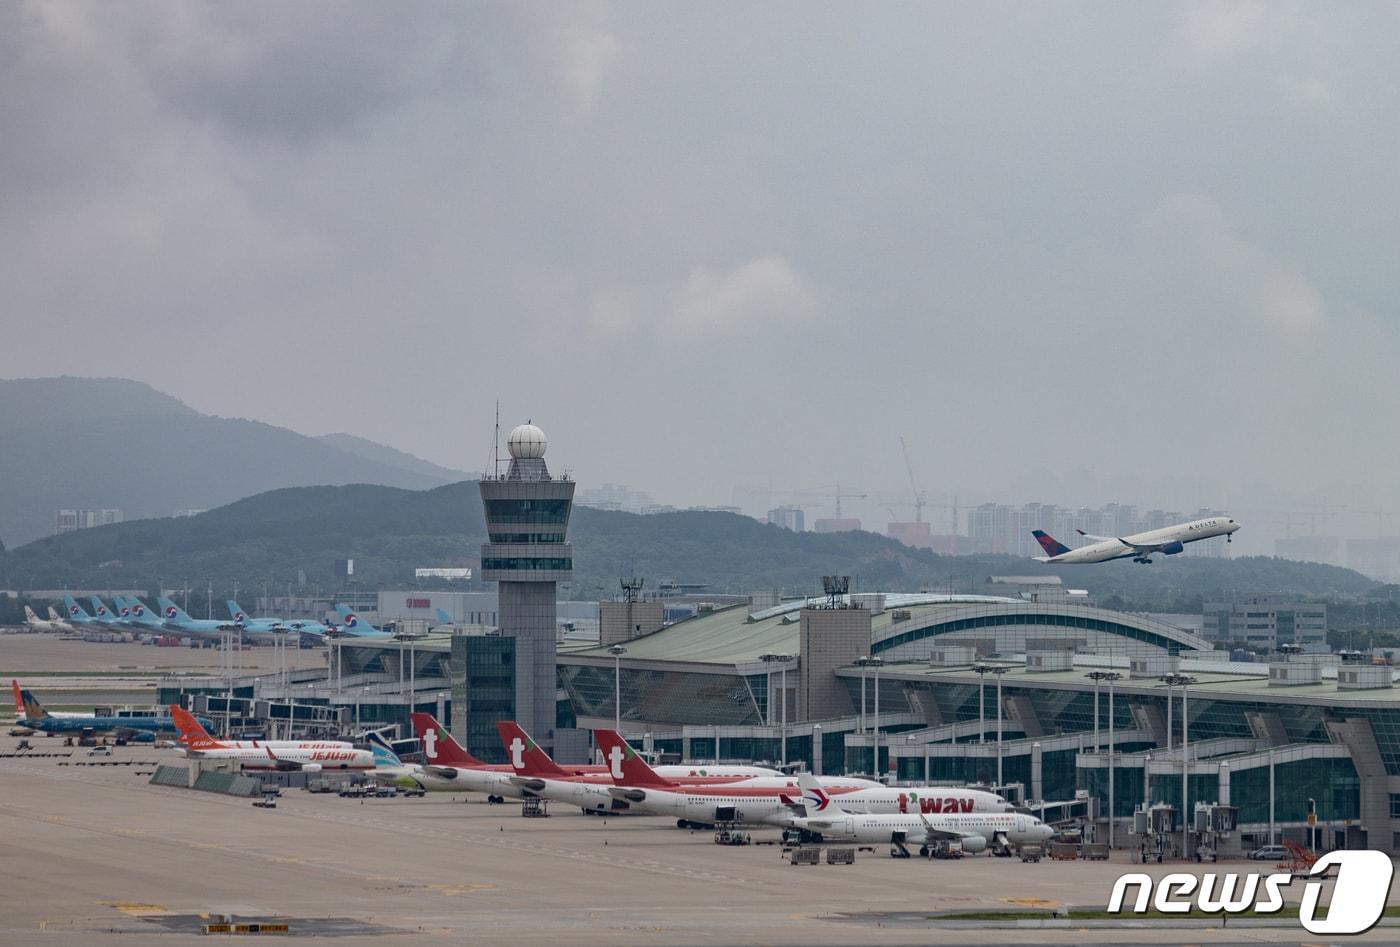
[391,531]
[89,443]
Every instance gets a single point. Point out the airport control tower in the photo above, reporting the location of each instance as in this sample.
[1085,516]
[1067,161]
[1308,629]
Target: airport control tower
[527,517]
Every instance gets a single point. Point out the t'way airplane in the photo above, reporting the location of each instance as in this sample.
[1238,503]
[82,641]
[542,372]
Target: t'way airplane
[536,772]
[974,831]
[305,757]
[1169,540]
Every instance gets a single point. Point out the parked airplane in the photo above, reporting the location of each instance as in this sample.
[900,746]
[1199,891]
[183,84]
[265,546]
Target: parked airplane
[177,620]
[824,817]
[287,756]
[19,704]
[352,624]
[1169,541]
[142,728]
[44,624]
[134,612]
[590,791]
[192,731]
[101,614]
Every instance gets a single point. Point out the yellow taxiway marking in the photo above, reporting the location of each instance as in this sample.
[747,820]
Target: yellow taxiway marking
[134,907]
[1031,902]
[471,888]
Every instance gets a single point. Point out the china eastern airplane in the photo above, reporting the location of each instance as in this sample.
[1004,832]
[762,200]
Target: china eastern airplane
[44,624]
[306,757]
[825,817]
[1169,540]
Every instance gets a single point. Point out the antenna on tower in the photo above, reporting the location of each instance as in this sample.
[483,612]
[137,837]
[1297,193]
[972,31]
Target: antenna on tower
[496,456]
[631,588]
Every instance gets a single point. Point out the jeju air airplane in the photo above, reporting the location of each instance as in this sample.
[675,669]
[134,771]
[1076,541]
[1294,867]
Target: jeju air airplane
[191,730]
[307,758]
[1168,540]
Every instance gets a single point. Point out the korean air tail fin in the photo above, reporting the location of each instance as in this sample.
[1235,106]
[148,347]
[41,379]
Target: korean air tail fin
[1051,545]
[236,613]
[439,749]
[352,623]
[169,610]
[99,609]
[75,611]
[192,732]
[443,617]
[525,755]
[625,766]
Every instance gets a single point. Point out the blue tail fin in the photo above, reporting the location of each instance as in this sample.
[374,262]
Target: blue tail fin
[74,609]
[1051,545]
[443,617]
[236,613]
[384,754]
[172,612]
[353,623]
[100,610]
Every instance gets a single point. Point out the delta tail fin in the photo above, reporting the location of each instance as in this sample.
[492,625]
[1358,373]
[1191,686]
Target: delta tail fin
[1051,545]
[439,749]
[525,755]
[626,767]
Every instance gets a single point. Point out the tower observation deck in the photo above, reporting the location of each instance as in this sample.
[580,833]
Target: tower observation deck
[527,555]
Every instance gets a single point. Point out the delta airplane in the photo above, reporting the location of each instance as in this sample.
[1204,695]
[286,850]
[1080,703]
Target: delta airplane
[975,831]
[141,728]
[1168,540]
[288,756]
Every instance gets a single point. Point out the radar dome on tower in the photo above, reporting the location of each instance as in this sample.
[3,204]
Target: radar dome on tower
[527,442]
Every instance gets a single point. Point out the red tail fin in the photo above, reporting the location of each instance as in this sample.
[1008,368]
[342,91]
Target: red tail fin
[192,732]
[626,767]
[19,699]
[439,749]
[524,755]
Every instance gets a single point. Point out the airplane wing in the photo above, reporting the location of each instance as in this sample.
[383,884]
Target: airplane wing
[442,772]
[532,783]
[1097,539]
[1140,547]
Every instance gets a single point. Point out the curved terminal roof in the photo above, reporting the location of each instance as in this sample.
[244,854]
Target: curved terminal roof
[733,636]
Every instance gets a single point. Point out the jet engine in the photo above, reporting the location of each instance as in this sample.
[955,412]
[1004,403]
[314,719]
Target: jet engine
[974,844]
[310,767]
[1171,549]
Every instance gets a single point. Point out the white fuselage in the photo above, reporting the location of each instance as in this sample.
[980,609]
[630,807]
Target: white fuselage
[307,759]
[750,802]
[1167,540]
[276,746]
[1015,828]
[913,800]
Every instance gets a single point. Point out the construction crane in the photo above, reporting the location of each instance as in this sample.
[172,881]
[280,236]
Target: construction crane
[848,496]
[919,495]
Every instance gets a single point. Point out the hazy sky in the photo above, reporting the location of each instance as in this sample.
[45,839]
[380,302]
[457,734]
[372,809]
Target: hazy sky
[1073,252]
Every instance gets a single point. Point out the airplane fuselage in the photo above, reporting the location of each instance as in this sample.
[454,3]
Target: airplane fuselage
[1168,540]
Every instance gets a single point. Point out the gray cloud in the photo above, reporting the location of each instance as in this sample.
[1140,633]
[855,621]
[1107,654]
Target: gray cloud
[1072,253]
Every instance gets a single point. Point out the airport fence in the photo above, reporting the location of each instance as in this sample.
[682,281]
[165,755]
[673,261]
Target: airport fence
[228,784]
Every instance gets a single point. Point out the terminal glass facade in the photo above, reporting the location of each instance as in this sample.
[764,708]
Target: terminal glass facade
[483,692]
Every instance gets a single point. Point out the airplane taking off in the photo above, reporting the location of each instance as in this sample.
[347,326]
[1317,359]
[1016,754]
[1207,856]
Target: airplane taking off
[825,817]
[1169,540]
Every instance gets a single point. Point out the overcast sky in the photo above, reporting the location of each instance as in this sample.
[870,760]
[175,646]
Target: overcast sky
[1072,252]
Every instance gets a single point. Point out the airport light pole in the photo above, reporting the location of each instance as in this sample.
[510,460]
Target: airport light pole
[1110,677]
[998,670]
[877,663]
[817,766]
[1183,679]
[782,660]
[864,662]
[981,670]
[617,651]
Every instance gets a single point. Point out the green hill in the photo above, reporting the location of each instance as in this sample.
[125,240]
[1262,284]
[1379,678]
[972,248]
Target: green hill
[389,532]
[94,443]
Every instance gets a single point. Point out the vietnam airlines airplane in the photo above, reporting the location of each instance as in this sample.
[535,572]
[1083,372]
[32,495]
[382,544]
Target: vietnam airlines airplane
[1169,540]
[143,728]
